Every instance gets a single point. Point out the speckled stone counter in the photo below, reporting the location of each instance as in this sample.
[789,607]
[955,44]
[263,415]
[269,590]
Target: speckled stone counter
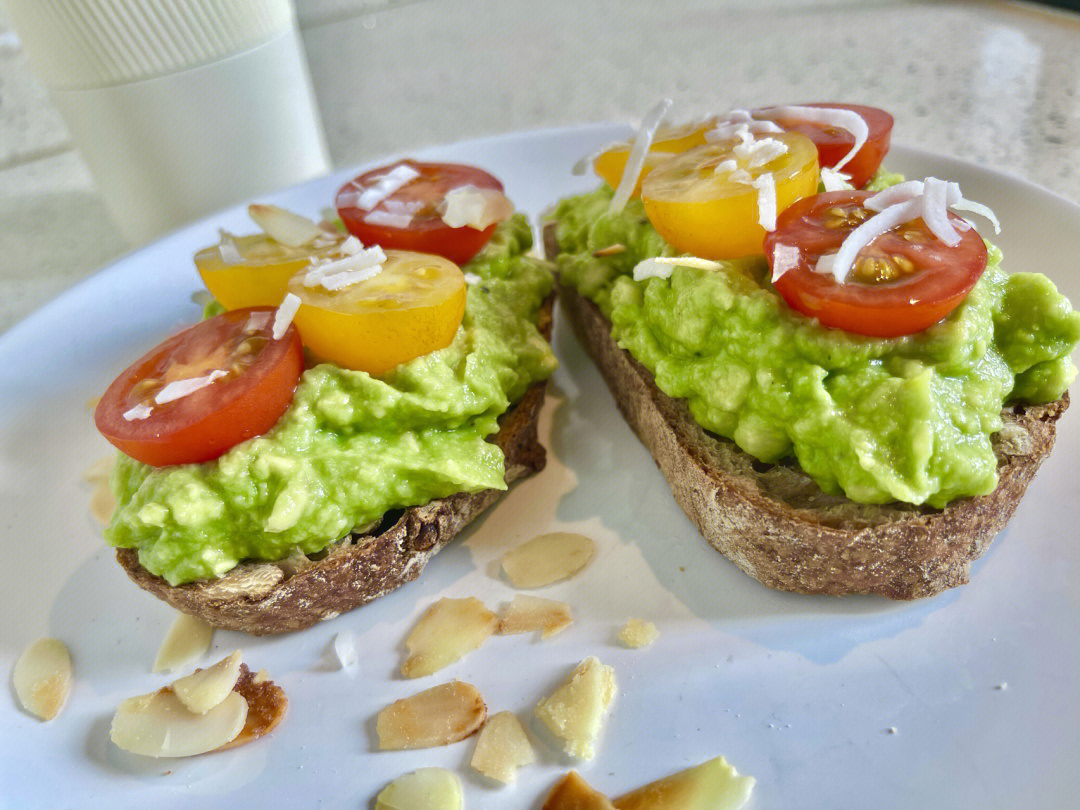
[992,83]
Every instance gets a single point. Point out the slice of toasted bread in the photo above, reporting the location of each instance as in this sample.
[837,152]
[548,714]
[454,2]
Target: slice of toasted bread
[279,597]
[776,524]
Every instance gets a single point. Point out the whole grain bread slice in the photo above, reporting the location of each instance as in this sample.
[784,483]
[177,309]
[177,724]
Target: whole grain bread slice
[295,593]
[776,524]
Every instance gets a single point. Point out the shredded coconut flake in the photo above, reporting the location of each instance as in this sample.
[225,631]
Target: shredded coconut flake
[638,152]
[340,273]
[256,322]
[351,246]
[385,185]
[766,200]
[833,180]
[475,207]
[832,117]
[583,163]
[785,257]
[227,248]
[179,389]
[140,411]
[388,219]
[472,278]
[284,315]
[664,266]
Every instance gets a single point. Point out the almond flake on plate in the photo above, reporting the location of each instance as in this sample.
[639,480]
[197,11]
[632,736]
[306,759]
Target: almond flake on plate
[546,559]
[712,785]
[575,711]
[204,689]
[527,613]
[449,629]
[502,748]
[423,789]
[42,677]
[440,715]
[574,793]
[188,638]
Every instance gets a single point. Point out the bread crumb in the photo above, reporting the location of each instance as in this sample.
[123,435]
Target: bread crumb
[1001,687]
[638,633]
[891,730]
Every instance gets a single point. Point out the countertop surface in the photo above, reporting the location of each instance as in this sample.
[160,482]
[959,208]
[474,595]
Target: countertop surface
[993,83]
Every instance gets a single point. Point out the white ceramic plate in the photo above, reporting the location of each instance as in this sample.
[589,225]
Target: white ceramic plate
[801,692]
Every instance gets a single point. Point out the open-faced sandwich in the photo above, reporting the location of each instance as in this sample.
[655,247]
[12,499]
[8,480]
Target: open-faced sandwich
[843,386]
[359,398]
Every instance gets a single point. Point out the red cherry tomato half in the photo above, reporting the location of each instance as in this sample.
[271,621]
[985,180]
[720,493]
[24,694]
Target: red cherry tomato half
[903,282]
[834,143]
[409,217]
[254,386]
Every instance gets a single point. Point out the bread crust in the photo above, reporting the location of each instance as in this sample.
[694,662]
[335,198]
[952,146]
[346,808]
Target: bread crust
[280,597]
[775,524]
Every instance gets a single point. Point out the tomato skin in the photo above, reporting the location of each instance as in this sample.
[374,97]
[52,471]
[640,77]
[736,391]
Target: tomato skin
[426,233]
[205,424]
[942,278]
[833,144]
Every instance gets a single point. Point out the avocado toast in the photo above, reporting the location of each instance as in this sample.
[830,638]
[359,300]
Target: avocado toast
[818,460]
[417,409]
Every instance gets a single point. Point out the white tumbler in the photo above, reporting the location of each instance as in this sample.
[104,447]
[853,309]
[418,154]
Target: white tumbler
[178,106]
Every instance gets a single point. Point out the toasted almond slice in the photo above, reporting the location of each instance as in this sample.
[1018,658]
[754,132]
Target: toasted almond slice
[267,706]
[447,630]
[204,689]
[440,715]
[502,748]
[101,469]
[102,503]
[42,677]
[547,558]
[423,789]
[527,613]
[712,785]
[159,725]
[284,226]
[638,633]
[610,250]
[575,711]
[574,793]
[188,638]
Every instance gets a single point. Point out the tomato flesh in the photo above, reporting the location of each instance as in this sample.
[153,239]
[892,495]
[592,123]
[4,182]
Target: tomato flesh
[415,205]
[833,144]
[930,278]
[253,388]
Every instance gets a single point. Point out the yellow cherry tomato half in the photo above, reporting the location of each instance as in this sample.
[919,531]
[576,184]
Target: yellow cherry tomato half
[668,141]
[706,206]
[261,276]
[411,308]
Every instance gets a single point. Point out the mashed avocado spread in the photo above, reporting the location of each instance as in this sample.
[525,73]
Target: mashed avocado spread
[905,419]
[351,446]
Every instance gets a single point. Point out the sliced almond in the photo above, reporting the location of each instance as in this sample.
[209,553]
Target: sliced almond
[712,785]
[42,677]
[638,633]
[159,725]
[527,613]
[424,789]
[267,706]
[575,711]
[447,630]
[574,793]
[204,689]
[502,748]
[102,503]
[547,558]
[284,226]
[188,638]
[101,469]
[441,715]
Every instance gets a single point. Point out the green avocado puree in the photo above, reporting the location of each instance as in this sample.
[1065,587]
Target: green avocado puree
[904,419]
[351,446]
